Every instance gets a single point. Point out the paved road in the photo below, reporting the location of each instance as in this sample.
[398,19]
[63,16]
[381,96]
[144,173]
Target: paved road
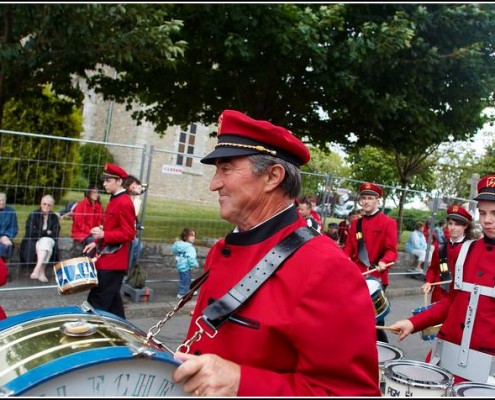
[174,330]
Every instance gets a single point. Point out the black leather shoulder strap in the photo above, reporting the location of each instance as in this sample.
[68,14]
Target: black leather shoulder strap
[219,311]
[362,252]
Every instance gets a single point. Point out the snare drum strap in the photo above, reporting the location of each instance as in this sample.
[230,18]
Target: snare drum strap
[220,310]
[362,252]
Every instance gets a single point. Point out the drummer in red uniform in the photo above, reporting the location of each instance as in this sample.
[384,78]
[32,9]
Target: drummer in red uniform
[445,254]
[378,248]
[465,344]
[112,242]
[299,333]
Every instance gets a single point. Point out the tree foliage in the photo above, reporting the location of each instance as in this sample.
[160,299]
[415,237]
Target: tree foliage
[325,165]
[93,158]
[403,77]
[54,43]
[34,166]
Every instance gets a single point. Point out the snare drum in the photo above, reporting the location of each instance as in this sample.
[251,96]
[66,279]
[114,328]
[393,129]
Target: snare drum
[75,275]
[70,352]
[380,301]
[407,378]
[386,352]
[430,333]
[473,389]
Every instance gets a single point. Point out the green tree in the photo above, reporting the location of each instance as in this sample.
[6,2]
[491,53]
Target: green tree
[403,77]
[46,165]
[321,172]
[456,164]
[412,173]
[93,157]
[55,43]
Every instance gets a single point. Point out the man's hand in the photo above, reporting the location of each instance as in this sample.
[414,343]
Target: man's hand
[88,248]
[207,375]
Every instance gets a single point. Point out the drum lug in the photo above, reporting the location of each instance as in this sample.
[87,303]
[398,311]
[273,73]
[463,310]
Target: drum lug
[141,351]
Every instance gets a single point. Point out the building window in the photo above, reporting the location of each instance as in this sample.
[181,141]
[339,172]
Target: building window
[187,140]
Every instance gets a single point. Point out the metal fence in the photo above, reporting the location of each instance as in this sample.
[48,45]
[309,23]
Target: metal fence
[336,195]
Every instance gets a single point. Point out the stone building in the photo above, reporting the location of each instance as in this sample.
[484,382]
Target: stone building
[169,164]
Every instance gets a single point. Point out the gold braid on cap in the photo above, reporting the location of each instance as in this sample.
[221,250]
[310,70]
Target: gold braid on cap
[247,146]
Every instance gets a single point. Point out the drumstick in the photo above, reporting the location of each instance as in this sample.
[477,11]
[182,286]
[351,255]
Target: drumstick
[388,328]
[374,269]
[440,283]
[426,299]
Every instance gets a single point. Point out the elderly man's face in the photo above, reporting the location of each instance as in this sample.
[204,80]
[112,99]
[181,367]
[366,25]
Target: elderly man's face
[3,201]
[241,193]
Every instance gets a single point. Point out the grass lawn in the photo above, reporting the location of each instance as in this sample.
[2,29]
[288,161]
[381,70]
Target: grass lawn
[164,220]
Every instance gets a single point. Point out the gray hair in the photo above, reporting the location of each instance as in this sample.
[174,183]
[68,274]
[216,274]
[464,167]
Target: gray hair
[292,180]
[48,197]
[3,195]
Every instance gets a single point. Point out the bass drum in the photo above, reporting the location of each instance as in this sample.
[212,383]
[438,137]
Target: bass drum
[81,352]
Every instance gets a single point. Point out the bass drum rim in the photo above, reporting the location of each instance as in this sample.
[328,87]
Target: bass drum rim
[116,343]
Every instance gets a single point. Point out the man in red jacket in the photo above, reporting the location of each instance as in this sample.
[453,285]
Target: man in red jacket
[112,243]
[288,331]
[465,344]
[379,233]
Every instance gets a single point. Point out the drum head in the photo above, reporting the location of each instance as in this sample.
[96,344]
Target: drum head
[473,389]
[419,374]
[70,352]
[387,352]
[373,285]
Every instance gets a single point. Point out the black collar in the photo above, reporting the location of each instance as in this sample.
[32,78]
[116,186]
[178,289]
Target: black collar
[488,240]
[265,230]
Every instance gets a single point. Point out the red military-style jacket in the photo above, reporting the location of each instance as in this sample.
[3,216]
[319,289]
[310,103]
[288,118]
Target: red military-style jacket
[85,216]
[380,236]
[433,271]
[119,228]
[308,331]
[479,268]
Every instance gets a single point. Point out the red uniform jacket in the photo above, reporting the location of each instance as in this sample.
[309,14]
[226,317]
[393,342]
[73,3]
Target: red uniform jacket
[380,236]
[312,330]
[119,229]
[433,272]
[479,268]
[85,217]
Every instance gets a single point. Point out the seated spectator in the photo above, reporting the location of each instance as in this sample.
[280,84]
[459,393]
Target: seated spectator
[40,243]
[416,245]
[87,214]
[8,228]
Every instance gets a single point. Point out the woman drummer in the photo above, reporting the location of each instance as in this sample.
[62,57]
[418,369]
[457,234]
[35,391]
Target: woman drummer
[445,255]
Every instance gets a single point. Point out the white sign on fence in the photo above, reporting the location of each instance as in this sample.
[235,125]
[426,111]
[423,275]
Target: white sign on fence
[172,169]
